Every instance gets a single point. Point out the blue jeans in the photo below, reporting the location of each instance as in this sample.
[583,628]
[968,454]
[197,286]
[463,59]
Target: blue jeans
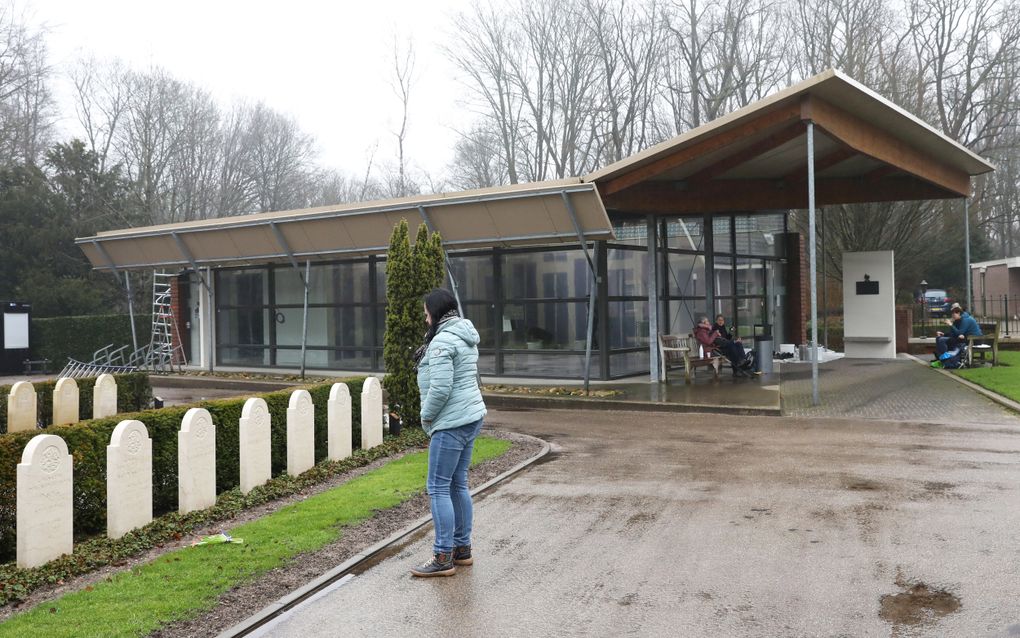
[447,484]
[947,343]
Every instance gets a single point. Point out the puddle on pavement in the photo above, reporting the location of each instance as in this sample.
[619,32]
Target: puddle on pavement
[917,604]
[863,485]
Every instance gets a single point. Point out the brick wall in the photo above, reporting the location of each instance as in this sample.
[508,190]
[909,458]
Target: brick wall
[904,327]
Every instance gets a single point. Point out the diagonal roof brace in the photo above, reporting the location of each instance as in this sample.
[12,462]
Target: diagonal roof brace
[107,257]
[186,253]
[280,239]
[449,267]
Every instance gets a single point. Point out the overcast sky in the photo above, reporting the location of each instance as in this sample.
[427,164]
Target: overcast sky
[326,63]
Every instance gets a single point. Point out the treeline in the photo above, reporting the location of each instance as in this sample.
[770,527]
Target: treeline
[561,87]
[566,86]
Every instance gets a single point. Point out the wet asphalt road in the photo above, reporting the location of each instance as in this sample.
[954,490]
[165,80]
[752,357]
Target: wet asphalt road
[704,525]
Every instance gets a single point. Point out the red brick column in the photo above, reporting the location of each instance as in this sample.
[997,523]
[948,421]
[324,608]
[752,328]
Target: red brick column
[904,327]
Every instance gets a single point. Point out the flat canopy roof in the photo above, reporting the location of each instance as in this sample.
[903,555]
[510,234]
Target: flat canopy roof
[520,215]
[866,149]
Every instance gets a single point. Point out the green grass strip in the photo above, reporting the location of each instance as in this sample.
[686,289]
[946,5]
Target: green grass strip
[185,582]
[1003,379]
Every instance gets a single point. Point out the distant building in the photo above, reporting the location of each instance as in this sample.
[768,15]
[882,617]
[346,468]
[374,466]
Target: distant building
[994,284]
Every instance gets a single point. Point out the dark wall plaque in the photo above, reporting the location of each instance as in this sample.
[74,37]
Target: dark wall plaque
[867,287]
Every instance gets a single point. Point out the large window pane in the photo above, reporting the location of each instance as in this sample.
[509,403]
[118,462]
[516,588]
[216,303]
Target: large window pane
[724,276]
[750,277]
[545,325]
[554,274]
[242,326]
[756,234]
[626,363]
[721,239]
[628,324]
[249,287]
[474,277]
[628,272]
[329,284]
[685,233]
[526,364]
[684,315]
[242,356]
[631,231]
[483,317]
[686,275]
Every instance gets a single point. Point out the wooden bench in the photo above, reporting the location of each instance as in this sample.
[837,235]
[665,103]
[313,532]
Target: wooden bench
[685,352]
[982,345]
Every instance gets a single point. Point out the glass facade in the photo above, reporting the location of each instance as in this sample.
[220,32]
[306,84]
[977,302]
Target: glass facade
[530,305]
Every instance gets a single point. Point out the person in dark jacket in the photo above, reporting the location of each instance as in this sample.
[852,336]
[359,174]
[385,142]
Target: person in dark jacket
[730,345]
[452,411]
[960,326]
[710,339]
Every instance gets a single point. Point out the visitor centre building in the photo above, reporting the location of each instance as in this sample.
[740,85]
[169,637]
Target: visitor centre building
[563,279]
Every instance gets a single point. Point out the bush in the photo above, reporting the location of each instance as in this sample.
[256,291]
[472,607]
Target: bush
[133,394]
[61,338]
[87,443]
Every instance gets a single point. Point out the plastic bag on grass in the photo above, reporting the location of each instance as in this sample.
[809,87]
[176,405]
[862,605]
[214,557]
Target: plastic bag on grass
[218,539]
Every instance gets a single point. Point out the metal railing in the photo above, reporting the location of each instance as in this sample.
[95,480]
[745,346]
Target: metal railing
[1002,308]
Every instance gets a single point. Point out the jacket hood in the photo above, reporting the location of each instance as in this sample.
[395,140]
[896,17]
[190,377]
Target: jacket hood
[462,329]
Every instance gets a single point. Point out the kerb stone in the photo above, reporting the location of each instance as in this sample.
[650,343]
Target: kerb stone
[338,418]
[128,479]
[104,397]
[300,433]
[371,414]
[45,510]
[65,402]
[255,444]
[196,461]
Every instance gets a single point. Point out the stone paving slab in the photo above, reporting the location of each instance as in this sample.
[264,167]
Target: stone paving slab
[892,390]
[709,525]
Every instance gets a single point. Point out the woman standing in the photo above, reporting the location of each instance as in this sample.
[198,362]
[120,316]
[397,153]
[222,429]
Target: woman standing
[452,411]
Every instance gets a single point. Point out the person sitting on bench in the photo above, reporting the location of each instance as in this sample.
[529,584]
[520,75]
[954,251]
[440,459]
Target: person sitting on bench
[961,326]
[709,337]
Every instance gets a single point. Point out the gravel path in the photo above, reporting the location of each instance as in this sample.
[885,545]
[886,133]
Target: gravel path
[245,600]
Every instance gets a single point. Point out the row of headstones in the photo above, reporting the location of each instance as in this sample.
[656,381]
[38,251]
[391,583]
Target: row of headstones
[44,500]
[22,404]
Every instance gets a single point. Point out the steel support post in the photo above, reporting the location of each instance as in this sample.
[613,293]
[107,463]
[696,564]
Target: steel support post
[592,286]
[653,300]
[812,260]
[131,311]
[966,233]
[304,319]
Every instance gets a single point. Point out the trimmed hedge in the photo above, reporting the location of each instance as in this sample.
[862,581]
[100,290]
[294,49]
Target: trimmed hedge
[133,394]
[61,338]
[87,443]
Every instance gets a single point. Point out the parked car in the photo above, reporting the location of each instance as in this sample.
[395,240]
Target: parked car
[937,302]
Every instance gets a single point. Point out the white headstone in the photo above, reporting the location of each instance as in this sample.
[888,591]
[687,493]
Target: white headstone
[65,401]
[21,407]
[196,461]
[104,397]
[44,502]
[255,444]
[300,433]
[128,479]
[371,414]
[338,428]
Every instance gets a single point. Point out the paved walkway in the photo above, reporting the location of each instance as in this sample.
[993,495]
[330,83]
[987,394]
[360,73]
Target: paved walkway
[707,525]
[899,390]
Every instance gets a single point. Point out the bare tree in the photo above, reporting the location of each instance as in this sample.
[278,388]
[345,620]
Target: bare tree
[402,81]
[26,105]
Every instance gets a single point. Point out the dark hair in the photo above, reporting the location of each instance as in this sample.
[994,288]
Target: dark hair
[720,316]
[438,302]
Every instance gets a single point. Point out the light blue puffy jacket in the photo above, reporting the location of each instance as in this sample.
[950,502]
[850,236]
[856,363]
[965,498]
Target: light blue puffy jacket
[448,378]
